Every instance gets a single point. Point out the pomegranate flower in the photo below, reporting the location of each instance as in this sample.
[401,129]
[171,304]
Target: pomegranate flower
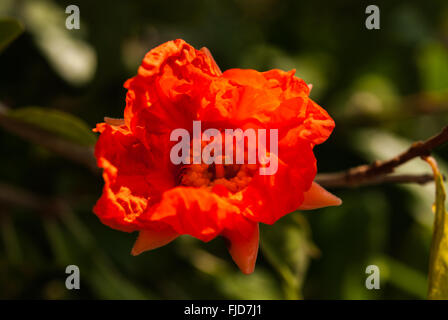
[177,86]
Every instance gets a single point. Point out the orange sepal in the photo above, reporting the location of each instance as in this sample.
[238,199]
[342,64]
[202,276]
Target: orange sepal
[151,239]
[244,250]
[317,197]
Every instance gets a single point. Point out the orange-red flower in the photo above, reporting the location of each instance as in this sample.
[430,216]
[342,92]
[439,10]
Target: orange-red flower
[144,191]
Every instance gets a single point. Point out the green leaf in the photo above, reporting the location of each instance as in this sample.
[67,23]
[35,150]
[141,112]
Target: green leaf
[402,276]
[11,240]
[58,242]
[438,259]
[10,29]
[261,285]
[108,283]
[57,122]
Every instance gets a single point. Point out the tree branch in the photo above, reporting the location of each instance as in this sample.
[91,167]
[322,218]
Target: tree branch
[378,171]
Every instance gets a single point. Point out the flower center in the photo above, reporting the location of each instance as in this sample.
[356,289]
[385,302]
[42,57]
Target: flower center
[234,177]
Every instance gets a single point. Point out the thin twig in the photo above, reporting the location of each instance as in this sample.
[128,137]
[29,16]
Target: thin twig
[333,180]
[20,198]
[377,171]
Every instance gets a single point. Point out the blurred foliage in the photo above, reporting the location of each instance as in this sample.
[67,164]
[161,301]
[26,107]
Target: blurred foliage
[58,123]
[438,258]
[9,30]
[385,88]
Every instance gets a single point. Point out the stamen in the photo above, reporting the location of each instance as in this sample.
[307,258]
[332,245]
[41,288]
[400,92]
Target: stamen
[235,177]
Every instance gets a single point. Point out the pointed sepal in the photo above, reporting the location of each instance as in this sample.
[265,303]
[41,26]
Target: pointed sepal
[152,239]
[244,250]
[317,197]
[212,60]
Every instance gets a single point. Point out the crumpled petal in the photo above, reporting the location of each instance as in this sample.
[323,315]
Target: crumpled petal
[198,212]
[168,89]
[133,178]
[270,197]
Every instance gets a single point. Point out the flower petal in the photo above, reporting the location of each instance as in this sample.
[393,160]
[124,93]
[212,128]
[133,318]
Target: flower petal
[270,197]
[168,90]
[134,178]
[197,212]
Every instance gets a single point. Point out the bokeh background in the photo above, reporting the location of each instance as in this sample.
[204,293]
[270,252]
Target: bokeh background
[385,88]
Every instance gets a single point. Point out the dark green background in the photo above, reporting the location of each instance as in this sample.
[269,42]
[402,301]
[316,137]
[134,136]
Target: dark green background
[383,87]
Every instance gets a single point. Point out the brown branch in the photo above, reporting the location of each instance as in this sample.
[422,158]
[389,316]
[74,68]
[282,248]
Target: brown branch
[377,171]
